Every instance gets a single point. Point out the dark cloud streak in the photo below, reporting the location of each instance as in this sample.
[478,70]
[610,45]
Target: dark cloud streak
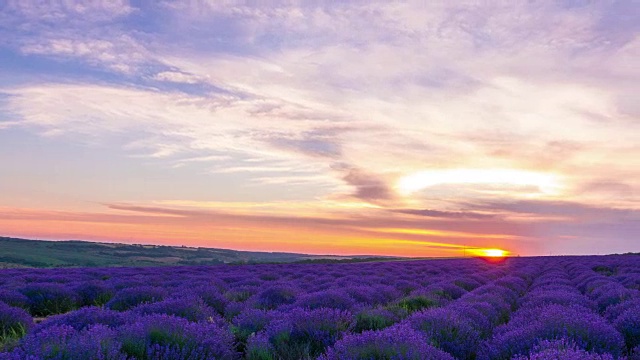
[368,187]
[446,214]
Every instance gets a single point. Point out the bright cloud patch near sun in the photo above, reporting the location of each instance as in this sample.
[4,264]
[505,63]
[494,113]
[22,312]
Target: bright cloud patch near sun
[544,182]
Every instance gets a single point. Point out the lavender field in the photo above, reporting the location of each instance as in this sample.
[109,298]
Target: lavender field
[521,308]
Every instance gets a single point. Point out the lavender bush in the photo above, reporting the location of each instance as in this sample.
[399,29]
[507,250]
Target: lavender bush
[14,323]
[172,338]
[49,299]
[397,342]
[300,334]
[127,299]
[447,330]
[562,350]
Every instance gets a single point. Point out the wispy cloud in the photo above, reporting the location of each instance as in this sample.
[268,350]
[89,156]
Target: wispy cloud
[77,11]
[177,77]
[446,214]
[119,53]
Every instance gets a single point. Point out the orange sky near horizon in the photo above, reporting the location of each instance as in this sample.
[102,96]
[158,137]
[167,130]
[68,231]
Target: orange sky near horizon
[250,235]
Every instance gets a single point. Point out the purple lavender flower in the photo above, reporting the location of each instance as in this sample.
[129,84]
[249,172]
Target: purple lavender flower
[14,322]
[16,354]
[611,294]
[614,311]
[240,293]
[94,293]
[50,299]
[374,319]
[498,310]
[14,298]
[259,347]
[515,283]
[398,342]
[542,297]
[276,295]
[234,309]
[169,335]
[64,342]
[467,283]
[446,290]
[250,322]
[190,307]
[212,296]
[417,302]
[630,280]
[126,299]
[505,294]
[628,323]
[334,299]
[85,317]
[562,350]
[372,294]
[406,286]
[588,330]
[477,314]
[300,334]
[447,330]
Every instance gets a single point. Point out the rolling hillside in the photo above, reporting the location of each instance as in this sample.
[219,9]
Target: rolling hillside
[38,253]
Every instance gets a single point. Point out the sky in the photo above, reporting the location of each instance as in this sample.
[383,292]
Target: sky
[351,127]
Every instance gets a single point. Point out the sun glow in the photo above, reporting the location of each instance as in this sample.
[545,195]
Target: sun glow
[490,253]
[495,253]
[547,183]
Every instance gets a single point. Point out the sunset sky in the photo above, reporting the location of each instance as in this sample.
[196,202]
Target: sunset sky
[355,127]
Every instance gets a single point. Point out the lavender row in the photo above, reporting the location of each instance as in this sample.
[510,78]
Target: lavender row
[376,329]
[556,319]
[615,301]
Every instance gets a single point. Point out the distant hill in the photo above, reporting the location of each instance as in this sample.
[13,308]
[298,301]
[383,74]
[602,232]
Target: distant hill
[42,254]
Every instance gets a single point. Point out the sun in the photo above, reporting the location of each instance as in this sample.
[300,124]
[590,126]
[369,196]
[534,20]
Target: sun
[489,253]
[494,253]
